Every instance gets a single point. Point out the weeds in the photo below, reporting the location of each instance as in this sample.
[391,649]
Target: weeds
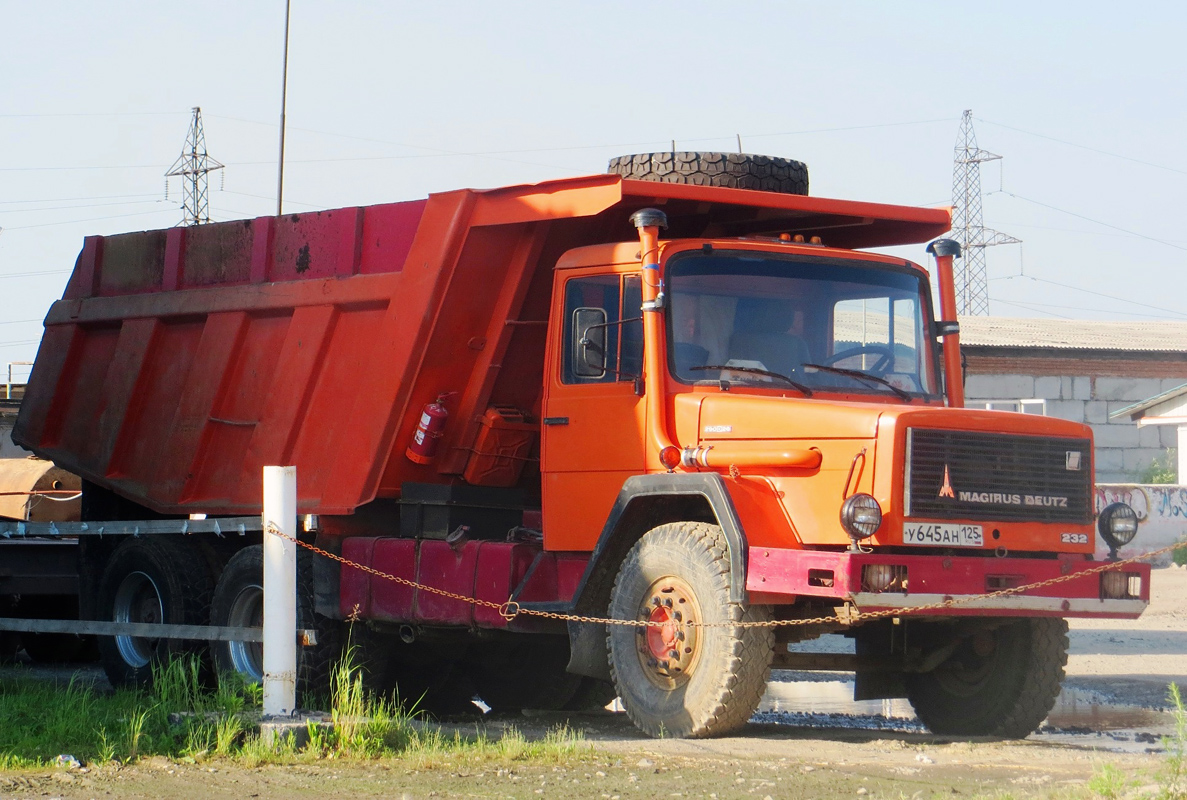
[1109,782]
[1174,771]
[183,717]
[1179,555]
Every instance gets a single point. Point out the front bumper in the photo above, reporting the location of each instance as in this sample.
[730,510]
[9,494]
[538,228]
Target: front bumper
[779,576]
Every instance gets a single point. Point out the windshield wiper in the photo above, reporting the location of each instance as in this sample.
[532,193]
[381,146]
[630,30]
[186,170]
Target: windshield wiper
[853,373]
[756,371]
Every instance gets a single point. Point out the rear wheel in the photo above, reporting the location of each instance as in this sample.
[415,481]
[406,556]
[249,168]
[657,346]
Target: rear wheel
[675,679]
[151,580]
[1001,680]
[239,602]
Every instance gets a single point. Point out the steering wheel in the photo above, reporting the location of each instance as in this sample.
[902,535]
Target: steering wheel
[881,366]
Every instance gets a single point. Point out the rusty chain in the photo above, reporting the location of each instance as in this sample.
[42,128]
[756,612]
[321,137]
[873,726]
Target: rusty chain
[510,609]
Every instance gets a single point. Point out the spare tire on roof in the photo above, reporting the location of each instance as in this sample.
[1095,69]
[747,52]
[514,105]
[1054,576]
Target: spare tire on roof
[730,170]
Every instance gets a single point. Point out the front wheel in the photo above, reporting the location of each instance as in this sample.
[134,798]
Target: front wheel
[676,679]
[1000,680]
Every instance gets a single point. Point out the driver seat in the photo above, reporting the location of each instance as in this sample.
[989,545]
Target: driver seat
[760,334]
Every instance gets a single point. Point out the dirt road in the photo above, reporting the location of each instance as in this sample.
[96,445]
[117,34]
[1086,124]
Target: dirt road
[810,742]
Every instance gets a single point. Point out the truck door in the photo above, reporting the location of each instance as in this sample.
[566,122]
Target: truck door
[594,420]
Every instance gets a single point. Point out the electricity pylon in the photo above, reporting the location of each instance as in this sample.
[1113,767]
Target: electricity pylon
[192,166]
[972,280]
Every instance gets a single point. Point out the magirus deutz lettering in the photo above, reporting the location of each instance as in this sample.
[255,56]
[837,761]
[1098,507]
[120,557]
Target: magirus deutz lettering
[1000,499]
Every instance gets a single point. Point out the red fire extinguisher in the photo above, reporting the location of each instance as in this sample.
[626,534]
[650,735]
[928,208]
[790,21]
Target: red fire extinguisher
[429,429]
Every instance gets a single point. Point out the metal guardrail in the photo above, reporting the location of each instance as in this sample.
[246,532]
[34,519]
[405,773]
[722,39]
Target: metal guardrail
[223,526]
[147,630]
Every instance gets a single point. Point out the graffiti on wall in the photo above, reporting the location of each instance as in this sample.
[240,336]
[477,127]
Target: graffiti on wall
[1161,510]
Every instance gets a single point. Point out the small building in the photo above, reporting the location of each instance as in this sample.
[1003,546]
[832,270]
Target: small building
[1081,370]
[1167,411]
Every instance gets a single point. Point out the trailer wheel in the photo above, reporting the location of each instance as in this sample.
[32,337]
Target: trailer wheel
[729,170]
[150,580]
[239,602]
[677,680]
[1000,681]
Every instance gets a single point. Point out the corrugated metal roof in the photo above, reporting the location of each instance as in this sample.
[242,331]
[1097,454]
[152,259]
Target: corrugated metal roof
[1138,409]
[1163,336]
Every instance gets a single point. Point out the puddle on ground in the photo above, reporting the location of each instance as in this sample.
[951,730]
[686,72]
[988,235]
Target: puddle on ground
[1080,717]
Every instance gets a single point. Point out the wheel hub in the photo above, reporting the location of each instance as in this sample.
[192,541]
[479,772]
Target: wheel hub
[669,646]
[247,611]
[137,600]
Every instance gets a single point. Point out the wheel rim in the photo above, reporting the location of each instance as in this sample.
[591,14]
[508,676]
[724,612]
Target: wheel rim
[247,611]
[669,648]
[137,600]
[974,664]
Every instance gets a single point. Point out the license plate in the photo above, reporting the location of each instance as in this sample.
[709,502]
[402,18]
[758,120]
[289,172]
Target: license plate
[938,534]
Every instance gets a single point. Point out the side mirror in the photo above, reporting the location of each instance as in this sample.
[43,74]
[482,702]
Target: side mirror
[589,343]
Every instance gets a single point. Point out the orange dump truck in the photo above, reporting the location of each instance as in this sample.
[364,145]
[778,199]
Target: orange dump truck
[683,394]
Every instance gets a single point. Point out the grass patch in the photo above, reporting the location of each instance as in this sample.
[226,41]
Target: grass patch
[1109,783]
[183,719]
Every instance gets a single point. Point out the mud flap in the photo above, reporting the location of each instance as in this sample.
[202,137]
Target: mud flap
[587,650]
[878,639]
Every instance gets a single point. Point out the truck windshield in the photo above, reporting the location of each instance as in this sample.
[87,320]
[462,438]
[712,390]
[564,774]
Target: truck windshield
[827,324]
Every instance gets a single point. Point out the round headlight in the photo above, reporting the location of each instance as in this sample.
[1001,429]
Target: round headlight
[1118,524]
[860,516]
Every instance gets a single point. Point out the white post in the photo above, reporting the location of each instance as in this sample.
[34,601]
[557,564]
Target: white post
[280,592]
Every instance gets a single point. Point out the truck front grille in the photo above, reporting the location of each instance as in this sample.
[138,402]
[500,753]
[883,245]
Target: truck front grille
[993,476]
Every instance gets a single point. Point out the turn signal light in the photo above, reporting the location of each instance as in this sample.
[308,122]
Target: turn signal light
[670,457]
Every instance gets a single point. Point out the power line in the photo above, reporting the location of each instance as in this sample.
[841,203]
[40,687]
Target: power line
[1079,231]
[33,274]
[72,199]
[1086,147]
[88,219]
[84,205]
[434,152]
[1085,308]
[1098,294]
[1090,219]
[1030,308]
[263,197]
[95,114]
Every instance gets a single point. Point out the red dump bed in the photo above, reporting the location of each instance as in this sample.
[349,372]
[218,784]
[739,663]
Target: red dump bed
[179,362]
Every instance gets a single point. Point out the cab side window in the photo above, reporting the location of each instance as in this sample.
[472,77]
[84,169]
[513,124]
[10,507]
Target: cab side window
[611,303]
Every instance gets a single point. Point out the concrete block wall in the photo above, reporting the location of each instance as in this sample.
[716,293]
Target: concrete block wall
[1123,450]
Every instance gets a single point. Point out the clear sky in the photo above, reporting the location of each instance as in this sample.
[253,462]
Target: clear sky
[388,101]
